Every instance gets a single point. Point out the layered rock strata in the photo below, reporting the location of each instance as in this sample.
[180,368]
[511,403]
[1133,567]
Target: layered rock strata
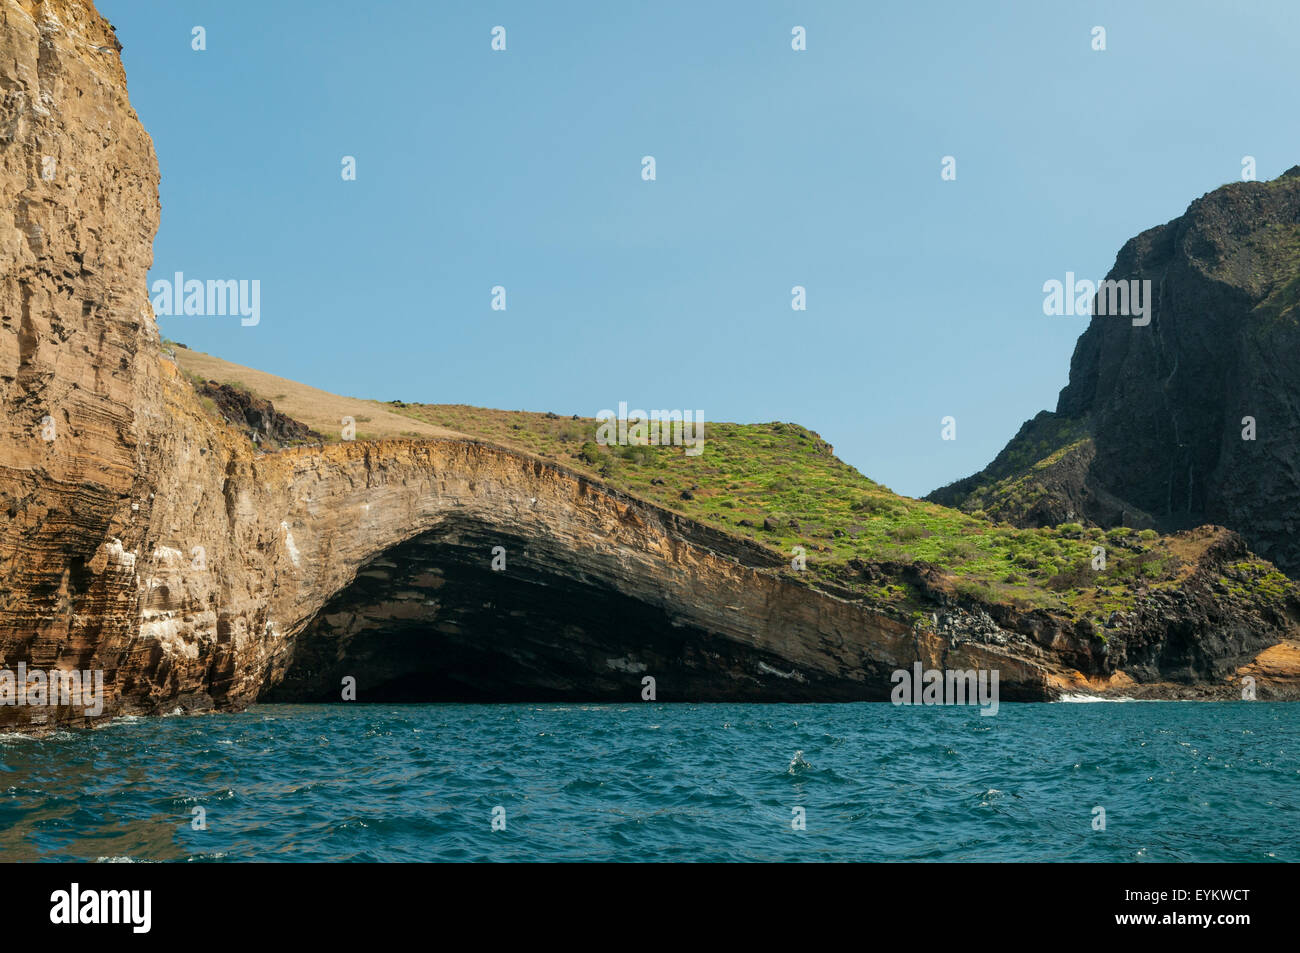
[150,541]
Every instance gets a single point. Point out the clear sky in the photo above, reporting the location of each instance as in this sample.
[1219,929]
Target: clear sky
[774,168]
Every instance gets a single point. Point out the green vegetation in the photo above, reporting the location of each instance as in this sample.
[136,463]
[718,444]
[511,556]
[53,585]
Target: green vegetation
[1248,577]
[1264,262]
[1283,303]
[1012,483]
[782,486]
[1022,490]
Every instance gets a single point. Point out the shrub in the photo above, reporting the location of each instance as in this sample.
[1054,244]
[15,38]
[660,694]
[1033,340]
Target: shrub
[637,453]
[1026,559]
[1073,577]
[959,551]
[977,590]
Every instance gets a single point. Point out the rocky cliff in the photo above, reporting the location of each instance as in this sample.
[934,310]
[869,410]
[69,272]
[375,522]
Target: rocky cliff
[148,539]
[79,386]
[1193,418]
[256,416]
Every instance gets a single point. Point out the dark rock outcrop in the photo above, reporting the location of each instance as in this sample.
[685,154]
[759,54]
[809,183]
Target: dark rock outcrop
[264,424]
[1149,429]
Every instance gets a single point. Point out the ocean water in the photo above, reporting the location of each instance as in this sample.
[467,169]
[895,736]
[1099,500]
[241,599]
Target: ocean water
[1178,782]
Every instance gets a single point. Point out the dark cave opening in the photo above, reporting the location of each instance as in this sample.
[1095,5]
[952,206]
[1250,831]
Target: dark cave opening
[430,620]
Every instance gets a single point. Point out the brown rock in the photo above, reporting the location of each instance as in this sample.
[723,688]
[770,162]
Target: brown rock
[149,540]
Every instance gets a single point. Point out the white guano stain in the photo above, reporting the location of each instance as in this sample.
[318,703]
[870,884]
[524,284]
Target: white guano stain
[289,544]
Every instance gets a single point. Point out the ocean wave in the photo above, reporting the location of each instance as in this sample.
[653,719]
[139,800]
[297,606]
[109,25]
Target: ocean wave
[598,784]
[797,764]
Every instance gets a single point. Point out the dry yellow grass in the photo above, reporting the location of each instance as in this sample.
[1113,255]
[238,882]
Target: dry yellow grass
[318,409]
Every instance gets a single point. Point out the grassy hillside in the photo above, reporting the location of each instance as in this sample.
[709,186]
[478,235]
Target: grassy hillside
[320,410]
[782,486]
[1010,481]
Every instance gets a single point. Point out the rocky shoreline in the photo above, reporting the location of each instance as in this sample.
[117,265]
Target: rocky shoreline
[147,539]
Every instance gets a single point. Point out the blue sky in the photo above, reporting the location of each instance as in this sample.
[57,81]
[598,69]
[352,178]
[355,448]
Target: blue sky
[775,168]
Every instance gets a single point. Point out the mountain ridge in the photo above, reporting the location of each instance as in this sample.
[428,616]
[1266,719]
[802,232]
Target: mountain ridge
[1187,421]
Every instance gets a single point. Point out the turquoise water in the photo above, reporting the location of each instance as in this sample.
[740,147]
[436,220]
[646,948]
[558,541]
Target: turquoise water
[1178,781]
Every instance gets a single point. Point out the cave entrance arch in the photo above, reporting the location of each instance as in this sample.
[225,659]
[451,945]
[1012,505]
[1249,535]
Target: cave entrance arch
[430,620]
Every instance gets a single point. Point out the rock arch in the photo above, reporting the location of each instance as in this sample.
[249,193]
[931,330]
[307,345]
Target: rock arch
[380,567]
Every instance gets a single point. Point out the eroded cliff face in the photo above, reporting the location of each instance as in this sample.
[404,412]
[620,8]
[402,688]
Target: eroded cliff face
[78,384]
[1169,408]
[375,560]
[149,541]
[1193,418]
